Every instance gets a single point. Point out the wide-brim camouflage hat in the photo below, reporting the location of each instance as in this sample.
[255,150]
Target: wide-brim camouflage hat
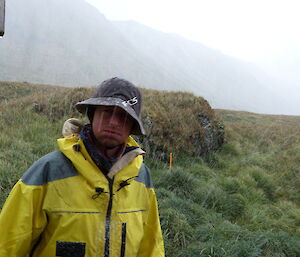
[121,93]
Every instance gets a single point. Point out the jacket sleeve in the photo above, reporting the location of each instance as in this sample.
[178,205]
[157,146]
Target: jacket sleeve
[152,243]
[21,220]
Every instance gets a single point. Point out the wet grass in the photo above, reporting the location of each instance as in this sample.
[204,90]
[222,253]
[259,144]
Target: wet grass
[208,211]
[242,200]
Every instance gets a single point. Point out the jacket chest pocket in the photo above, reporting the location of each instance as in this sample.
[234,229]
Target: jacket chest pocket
[70,249]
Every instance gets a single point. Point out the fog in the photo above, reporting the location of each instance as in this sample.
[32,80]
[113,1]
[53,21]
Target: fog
[284,65]
[264,33]
[240,55]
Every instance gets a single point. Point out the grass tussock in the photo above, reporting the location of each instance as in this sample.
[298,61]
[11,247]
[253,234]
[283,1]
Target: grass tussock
[241,200]
[179,122]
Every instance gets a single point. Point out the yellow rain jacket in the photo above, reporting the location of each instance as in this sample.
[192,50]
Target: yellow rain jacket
[65,206]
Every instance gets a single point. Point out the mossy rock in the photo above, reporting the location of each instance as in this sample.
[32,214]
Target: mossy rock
[181,123]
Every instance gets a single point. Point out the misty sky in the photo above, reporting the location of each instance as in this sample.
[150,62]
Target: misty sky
[249,29]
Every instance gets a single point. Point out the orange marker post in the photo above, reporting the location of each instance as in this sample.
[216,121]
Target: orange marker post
[171,161]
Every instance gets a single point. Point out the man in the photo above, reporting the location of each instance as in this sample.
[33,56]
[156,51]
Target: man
[93,197]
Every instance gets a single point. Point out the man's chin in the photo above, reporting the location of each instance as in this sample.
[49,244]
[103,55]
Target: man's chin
[110,142]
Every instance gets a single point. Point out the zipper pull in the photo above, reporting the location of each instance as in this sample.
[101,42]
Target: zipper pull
[99,191]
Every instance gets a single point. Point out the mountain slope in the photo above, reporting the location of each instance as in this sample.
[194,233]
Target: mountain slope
[226,81]
[64,42]
[70,43]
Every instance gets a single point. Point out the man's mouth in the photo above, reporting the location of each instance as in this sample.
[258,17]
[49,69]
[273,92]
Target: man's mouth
[112,132]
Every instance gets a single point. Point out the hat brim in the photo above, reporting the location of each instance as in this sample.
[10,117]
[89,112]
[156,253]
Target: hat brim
[111,101]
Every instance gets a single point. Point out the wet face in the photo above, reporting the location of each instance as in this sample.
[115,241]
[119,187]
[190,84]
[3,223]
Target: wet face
[111,125]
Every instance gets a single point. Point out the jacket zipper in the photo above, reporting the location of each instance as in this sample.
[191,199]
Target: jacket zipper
[107,219]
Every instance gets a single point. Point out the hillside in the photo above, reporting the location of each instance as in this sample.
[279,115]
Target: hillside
[71,43]
[240,200]
[226,82]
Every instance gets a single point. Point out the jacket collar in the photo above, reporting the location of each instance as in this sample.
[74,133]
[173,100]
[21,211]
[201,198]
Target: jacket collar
[74,149]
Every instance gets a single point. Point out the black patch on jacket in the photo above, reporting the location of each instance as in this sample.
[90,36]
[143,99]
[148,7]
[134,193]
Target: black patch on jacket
[70,249]
[123,240]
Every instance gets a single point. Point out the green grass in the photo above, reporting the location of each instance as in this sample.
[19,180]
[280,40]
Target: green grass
[25,137]
[242,200]
[207,211]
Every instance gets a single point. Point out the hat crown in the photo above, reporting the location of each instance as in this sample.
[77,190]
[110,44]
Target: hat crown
[122,89]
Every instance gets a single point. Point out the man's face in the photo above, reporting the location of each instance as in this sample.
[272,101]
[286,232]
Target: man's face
[111,125]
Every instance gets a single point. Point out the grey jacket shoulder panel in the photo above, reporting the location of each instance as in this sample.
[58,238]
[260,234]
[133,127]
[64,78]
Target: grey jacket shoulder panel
[144,176]
[50,167]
